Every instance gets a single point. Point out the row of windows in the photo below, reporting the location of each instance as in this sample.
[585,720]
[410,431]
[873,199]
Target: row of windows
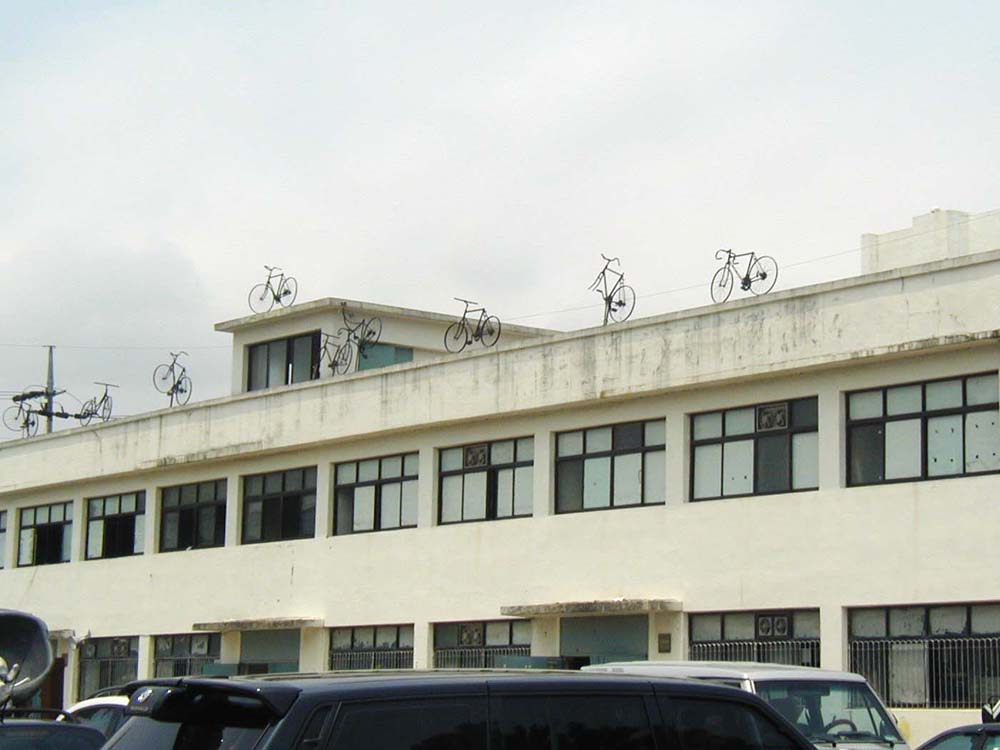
[917,431]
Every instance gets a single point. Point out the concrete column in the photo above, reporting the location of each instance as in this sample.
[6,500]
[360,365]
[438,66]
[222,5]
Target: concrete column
[545,636]
[426,493]
[423,637]
[234,508]
[677,459]
[833,637]
[151,543]
[71,678]
[229,647]
[832,439]
[78,547]
[9,559]
[670,627]
[314,649]
[324,500]
[146,667]
[544,474]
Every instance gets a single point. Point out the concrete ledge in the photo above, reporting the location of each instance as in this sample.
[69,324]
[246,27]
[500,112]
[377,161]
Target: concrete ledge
[597,607]
[267,623]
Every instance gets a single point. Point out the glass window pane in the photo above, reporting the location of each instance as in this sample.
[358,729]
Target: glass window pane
[570,444]
[868,623]
[805,624]
[408,504]
[498,634]
[252,518]
[302,359]
[26,547]
[128,504]
[411,464]
[95,508]
[206,525]
[502,453]
[474,496]
[628,479]
[904,400]
[524,490]
[451,498]
[569,486]
[67,542]
[707,426]
[257,367]
[446,634]
[805,412]
[738,626]
[627,436]
[28,517]
[805,461]
[42,514]
[451,459]
[655,433]
[865,405]
[740,421]
[948,620]
[944,394]
[206,492]
[654,478]
[253,486]
[368,470]
[707,471]
[526,449]
[773,470]
[505,493]
[170,527]
[906,621]
[69,511]
[57,513]
[364,508]
[406,636]
[277,363]
[598,439]
[982,442]
[706,627]
[364,637]
[391,496]
[981,389]
[903,449]
[272,483]
[139,540]
[112,505]
[392,467]
[309,478]
[385,637]
[520,633]
[347,473]
[865,454]
[344,512]
[597,481]
[985,619]
[737,471]
[944,445]
[341,639]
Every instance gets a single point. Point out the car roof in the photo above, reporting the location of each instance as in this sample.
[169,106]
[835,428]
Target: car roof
[990,728]
[758,672]
[104,700]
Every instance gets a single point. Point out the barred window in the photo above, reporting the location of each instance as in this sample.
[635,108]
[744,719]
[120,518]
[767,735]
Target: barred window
[193,516]
[480,644]
[778,637]
[279,505]
[283,361]
[185,654]
[46,534]
[107,661]
[487,481]
[940,428]
[611,467]
[755,450]
[116,525]
[941,656]
[372,647]
[377,494]
[3,537]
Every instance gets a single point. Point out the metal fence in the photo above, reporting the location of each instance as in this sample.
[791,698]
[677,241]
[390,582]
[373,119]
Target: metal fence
[178,666]
[930,672]
[396,658]
[803,652]
[476,658]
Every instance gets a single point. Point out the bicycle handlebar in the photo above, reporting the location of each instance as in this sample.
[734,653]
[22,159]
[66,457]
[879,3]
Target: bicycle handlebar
[610,260]
[175,355]
[106,385]
[466,301]
[726,252]
[272,268]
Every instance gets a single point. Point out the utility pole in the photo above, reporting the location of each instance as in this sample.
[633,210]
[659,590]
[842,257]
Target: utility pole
[50,393]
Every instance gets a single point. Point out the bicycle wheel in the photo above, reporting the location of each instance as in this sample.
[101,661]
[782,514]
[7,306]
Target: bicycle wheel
[763,274]
[342,359]
[87,411]
[722,284]
[13,418]
[287,290]
[622,303]
[456,338]
[163,378]
[372,332]
[491,331]
[261,300]
[30,424]
[182,391]
[104,410]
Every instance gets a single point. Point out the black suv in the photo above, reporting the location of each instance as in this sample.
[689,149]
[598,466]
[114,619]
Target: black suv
[449,711]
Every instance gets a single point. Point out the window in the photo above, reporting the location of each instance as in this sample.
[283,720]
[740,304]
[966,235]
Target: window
[941,428]
[279,505]
[611,467]
[724,725]
[581,722]
[193,516]
[486,481]
[480,644]
[107,661]
[185,654]
[755,450]
[377,494]
[116,525]
[455,723]
[3,537]
[283,361]
[943,656]
[383,355]
[372,647]
[46,534]
[787,637]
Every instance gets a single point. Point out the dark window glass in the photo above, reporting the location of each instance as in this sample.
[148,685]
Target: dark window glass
[283,361]
[805,413]
[116,525]
[46,534]
[107,661]
[3,537]
[724,725]
[457,723]
[569,486]
[866,454]
[773,464]
[193,516]
[185,654]
[273,511]
[627,436]
[571,722]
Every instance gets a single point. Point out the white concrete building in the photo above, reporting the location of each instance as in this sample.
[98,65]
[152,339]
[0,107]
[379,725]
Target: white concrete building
[808,476]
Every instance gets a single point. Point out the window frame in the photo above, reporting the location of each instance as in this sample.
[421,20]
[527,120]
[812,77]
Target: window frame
[378,484]
[314,364]
[212,654]
[924,416]
[67,506]
[612,453]
[140,511]
[279,497]
[756,435]
[221,485]
[491,470]
[106,664]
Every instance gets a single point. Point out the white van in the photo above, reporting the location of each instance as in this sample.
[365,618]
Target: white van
[832,709]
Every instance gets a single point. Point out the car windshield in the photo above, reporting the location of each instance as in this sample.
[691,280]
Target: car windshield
[831,712]
[141,733]
[39,737]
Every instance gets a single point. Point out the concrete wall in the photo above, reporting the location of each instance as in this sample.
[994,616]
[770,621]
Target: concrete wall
[936,235]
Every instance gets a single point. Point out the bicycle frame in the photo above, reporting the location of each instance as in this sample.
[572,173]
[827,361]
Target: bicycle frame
[280,276]
[731,262]
[478,332]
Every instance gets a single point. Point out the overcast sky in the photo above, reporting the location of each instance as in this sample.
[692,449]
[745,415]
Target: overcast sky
[153,156]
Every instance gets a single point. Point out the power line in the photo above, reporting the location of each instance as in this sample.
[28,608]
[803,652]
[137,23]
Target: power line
[96,347]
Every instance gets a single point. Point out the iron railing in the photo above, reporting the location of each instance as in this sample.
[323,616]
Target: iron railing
[804,652]
[179,666]
[930,672]
[476,658]
[382,658]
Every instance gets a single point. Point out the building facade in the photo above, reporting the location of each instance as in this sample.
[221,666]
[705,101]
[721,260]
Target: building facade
[806,477]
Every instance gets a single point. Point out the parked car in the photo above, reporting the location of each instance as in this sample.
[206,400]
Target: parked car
[105,712]
[968,737]
[516,710]
[45,734]
[831,708]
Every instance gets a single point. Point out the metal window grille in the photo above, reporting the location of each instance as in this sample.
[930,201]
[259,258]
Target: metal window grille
[930,672]
[804,652]
[476,658]
[375,658]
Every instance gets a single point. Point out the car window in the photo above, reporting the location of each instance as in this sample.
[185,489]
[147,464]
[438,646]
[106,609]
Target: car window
[571,722]
[142,733]
[104,718]
[457,723]
[314,729]
[956,742]
[724,725]
[56,737]
[991,742]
